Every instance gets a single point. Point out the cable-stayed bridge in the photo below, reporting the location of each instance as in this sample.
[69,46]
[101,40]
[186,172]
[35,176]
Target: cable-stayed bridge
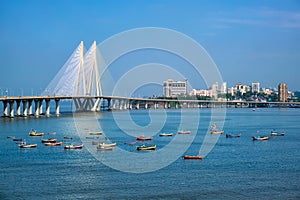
[80,81]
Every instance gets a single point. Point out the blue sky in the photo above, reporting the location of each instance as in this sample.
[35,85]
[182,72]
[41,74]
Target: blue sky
[248,40]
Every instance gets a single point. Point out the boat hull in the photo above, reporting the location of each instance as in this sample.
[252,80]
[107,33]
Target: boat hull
[233,136]
[187,157]
[146,148]
[184,132]
[260,138]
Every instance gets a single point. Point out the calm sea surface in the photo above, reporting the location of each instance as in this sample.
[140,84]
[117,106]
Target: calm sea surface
[236,168]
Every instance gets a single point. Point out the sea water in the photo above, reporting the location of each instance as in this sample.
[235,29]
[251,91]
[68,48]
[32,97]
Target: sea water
[236,168]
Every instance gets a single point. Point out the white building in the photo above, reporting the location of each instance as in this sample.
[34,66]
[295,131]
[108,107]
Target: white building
[239,87]
[201,93]
[214,90]
[173,89]
[255,87]
[224,88]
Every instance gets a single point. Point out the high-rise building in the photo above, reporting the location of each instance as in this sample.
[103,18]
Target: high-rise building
[282,92]
[255,87]
[224,88]
[173,89]
[214,90]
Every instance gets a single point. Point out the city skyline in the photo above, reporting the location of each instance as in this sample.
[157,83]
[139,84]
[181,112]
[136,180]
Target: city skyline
[248,41]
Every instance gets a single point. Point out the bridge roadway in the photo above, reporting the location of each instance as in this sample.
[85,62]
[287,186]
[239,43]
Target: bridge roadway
[93,103]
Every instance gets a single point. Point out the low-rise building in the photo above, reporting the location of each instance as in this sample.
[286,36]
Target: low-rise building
[174,88]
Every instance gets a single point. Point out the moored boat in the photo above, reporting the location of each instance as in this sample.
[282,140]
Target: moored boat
[107,144]
[146,148]
[213,126]
[27,145]
[274,133]
[10,136]
[103,148]
[17,139]
[91,137]
[187,157]
[95,143]
[95,133]
[166,134]
[217,132]
[68,137]
[233,135]
[53,144]
[144,138]
[34,133]
[260,137]
[49,140]
[184,132]
[71,146]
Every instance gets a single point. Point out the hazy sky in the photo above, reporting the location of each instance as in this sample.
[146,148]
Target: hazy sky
[248,40]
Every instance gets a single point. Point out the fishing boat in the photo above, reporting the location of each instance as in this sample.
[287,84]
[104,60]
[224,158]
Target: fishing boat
[107,144]
[68,137]
[144,138]
[34,133]
[130,143]
[166,134]
[52,133]
[146,148]
[187,157]
[274,133]
[49,140]
[260,137]
[10,136]
[184,132]
[95,133]
[53,144]
[71,146]
[233,135]
[213,127]
[217,132]
[24,145]
[95,143]
[17,139]
[105,148]
[91,137]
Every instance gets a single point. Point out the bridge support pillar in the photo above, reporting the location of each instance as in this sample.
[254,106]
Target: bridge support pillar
[36,103]
[146,105]
[155,105]
[18,107]
[130,105]
[47,107]
[120,104]
[176,105]
[11,108]
[137,106]
[165,105]
[108,104]
[113,104]
[57,107]
[30,107]
[125,105]
[24,102]
[5,108]
[41,107]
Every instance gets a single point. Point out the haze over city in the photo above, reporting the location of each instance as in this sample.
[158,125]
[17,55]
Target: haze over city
[248,40]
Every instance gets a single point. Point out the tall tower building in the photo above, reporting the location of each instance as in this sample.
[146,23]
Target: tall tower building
[214,90]
[255,87]
[282,92]
[224,88]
